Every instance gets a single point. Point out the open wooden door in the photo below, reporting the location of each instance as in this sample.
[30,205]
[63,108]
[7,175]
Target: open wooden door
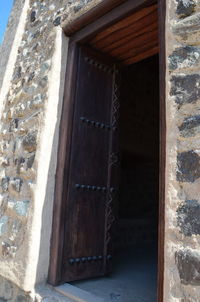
[92,180]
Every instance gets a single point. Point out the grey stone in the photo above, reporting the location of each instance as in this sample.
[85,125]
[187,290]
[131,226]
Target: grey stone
[33,16]
[29,89]
[17,183]
[21,208]
[5,183]
[185,88]
[188,166]
[22,298]
[14,124]
[35,35]
[3,225]
[44,67]
[29,142]
[43,82]
[185,7]
[31,77]
[8,290]
[190,126]
[5,248]
[16,230]
[188,218]
[50,299]
[17,73]
[57,21]
[187,29]
[30,161]
[78,7]
[188,264]
[184,57]
[19,163]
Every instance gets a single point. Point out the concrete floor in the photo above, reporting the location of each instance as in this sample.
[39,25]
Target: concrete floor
[133,278]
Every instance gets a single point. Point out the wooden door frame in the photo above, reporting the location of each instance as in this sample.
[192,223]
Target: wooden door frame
[81,31]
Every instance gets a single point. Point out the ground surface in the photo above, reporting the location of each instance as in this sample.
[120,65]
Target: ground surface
[132,280]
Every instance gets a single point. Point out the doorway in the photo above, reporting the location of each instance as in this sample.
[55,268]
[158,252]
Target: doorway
[85,180]
[134,272]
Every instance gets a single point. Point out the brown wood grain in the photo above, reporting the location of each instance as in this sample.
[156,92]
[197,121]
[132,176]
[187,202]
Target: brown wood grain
[148,25]
[56,252]
[126,39]
[85,213]
[139,57]
[126,23]
[147,40]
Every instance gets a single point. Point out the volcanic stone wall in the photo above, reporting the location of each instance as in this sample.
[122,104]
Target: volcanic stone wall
[182,241]
[24,108]
[22,122]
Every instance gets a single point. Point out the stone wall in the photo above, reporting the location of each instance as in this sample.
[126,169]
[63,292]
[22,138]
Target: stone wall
[9,36]
[182,271]
[31,104]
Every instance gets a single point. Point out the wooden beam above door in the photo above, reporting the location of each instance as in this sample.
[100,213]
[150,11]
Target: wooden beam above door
[106,13]
[131,39]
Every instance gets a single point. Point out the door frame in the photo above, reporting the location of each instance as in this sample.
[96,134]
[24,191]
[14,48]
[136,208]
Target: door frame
[79,32]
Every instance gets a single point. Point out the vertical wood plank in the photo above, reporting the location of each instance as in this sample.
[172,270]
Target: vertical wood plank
[63,152]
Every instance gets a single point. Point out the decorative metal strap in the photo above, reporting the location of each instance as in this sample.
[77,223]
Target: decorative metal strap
[88,259]
[97,124]
[99,65]
[94,188]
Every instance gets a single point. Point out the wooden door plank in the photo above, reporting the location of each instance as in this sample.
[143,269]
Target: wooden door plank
[87,191]
[56,252]
[116,36]
[147,26]
[144,55]
[123,24]
[137,45]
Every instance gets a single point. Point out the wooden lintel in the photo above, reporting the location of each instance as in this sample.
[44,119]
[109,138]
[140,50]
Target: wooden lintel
[105,13]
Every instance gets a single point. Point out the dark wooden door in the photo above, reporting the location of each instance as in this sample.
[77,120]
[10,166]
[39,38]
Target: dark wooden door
[92,178]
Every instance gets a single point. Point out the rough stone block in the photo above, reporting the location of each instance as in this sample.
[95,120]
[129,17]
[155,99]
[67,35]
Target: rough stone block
[5,183]
[188,264]
[3,225]
[33,16]
[185,7]
[188,217]
[188,166]
[185,88]
[190,126]
[16,184]
[21,207]
[184,57]
[30,161]
[29,142]
[187,30]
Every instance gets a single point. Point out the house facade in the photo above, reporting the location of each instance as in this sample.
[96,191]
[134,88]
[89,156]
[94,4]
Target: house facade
[35,63]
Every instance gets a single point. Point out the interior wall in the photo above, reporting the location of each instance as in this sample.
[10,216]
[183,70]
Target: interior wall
[139,147]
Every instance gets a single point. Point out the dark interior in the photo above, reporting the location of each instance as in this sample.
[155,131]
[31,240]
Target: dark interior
[139,149]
